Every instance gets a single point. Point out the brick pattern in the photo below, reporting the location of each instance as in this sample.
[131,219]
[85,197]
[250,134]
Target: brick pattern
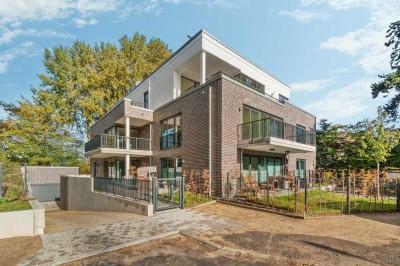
[228,96]
[234,97]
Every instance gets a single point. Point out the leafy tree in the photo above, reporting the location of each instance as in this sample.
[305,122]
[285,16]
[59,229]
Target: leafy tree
[84,82]
[34,134]
[376,141]
[330,140]
[390,83]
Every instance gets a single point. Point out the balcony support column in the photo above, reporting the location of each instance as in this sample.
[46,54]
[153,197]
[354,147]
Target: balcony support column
[127,136]
[202,67]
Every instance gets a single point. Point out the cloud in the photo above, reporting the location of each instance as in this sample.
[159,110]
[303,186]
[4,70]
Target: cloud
[353,100]
[7,35]
[80,22]
[366,44]
[311,85]
[304,16]
[25,49]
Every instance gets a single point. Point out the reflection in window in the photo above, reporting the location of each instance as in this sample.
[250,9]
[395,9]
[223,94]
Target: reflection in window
[171,132]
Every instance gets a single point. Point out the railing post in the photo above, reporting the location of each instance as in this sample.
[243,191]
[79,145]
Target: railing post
[306,194]
[1,180]
[398,193]
[182,193]
[154,185]
[348,193]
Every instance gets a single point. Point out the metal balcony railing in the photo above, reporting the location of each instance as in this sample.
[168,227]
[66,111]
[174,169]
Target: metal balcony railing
[271,127]
[117,142]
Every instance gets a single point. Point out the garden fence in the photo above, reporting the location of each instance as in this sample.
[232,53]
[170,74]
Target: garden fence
[317,193]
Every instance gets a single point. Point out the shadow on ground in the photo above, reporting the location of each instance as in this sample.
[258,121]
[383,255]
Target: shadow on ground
[313,249]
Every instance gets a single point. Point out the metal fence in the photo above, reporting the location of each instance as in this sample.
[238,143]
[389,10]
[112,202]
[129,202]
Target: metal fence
[317,193]
[137,189]
[1,180]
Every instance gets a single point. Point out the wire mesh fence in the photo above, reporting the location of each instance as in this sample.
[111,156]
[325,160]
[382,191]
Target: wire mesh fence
[317,193]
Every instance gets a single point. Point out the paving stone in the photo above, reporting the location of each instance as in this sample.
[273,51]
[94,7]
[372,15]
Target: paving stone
[76,244]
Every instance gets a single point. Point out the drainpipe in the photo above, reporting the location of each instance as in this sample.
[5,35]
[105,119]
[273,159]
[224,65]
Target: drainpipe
[209,138]
[149,90]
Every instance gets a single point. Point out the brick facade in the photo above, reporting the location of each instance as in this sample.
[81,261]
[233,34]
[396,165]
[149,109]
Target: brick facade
[228,99]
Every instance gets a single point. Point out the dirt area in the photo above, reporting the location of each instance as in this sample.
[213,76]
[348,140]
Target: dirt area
[57,221]
[270,239]
[15,250]
[174,250]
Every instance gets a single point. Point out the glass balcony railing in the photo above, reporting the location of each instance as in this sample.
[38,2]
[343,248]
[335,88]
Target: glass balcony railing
[117,142]
[270,127]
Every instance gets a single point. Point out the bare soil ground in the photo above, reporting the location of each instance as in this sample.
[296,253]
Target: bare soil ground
[15,250]
[270,239]
[174,250]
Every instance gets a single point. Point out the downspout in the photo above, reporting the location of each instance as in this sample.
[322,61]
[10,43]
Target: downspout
[209,139]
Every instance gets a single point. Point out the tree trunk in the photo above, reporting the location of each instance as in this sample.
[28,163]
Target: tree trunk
[377,181]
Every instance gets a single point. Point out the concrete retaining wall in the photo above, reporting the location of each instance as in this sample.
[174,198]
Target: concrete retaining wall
[77,195]
[23,223]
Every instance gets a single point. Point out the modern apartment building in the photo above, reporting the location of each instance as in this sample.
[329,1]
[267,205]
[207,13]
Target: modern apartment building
[206,107]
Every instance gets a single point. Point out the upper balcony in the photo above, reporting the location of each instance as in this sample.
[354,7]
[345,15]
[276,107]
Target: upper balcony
[104,146]
[276,136]
[138,113]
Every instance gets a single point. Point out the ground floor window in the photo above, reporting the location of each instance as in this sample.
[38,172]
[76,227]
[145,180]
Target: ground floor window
[171,167]
[301,168]
[262,166]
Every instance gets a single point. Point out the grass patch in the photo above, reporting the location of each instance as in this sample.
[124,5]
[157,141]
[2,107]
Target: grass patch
[191,199]
[16,205]
[321,202]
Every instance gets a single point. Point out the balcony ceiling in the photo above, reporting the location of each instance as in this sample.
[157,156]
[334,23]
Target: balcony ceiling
[109,152]
[134,122]
[191,68]
[276,145]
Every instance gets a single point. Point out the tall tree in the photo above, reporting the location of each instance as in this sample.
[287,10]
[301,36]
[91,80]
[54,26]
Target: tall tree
[34,134]
[330,144]
[376,141]
[390,83]
[84,82]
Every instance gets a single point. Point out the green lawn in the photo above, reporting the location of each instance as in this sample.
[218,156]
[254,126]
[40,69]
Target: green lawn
[16,205]
[321,202]
[191,199]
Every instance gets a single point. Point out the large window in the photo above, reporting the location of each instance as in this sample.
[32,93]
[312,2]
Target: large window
[250,82]
[262,166]
[255,125]
[171,132]
[300,134]
[171,168]
[301,168]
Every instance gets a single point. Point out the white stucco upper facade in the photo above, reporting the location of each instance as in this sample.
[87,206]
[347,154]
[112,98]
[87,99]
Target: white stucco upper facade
[188,62]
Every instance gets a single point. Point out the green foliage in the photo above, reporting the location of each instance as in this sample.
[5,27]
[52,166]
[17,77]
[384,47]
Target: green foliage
[358,146]
[80,84]
[17,205]
[330,145]
[376,141]
[390,83]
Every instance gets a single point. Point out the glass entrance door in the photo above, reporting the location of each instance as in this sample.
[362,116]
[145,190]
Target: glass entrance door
[171,168]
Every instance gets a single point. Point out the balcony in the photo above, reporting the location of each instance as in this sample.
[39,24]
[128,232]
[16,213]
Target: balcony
[104,146]
[273,135]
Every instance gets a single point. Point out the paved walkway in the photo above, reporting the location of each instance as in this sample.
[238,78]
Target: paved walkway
[75,244]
